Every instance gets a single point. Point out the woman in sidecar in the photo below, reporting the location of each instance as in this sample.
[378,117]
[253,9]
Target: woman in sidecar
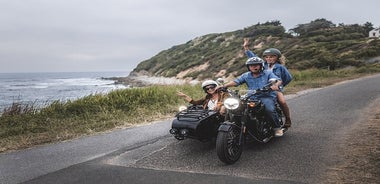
[200,120]
[213,99]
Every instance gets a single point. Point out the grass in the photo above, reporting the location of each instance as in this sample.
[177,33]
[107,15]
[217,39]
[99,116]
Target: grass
[316,78]
[25,125]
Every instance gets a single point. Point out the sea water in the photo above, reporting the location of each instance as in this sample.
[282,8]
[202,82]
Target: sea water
[42,88]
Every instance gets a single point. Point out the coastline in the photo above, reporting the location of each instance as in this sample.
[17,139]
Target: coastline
[41,88]
[145,80]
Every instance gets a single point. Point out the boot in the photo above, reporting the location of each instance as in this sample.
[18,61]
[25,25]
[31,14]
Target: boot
[288,121]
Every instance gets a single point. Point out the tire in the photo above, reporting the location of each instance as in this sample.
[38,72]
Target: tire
[227,146]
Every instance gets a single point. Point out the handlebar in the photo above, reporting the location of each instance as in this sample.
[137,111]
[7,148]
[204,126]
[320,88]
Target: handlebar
[248,93]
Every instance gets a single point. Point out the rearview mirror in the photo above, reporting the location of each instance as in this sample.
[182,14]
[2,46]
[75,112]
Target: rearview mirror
[220,81]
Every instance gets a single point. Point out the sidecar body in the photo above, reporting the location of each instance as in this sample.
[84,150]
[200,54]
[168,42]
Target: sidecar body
[196,123]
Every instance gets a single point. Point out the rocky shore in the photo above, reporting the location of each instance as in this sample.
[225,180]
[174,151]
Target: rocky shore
[144,80]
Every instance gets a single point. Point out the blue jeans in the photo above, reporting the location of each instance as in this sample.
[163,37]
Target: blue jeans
[270,111]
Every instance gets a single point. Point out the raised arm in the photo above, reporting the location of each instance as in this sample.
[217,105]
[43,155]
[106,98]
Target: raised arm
[248,52]
[184,96]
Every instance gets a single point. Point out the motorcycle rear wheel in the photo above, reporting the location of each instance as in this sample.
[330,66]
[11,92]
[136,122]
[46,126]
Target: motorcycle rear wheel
[227,145]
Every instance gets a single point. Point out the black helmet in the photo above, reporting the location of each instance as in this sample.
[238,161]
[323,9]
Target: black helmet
[254,61]
[272,51]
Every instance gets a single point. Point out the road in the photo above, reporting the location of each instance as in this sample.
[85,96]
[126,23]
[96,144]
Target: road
[148,154]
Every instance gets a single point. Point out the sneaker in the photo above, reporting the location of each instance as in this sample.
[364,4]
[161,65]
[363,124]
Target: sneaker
[278,133]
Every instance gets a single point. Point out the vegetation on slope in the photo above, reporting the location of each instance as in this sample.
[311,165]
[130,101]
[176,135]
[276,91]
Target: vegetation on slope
[319,44]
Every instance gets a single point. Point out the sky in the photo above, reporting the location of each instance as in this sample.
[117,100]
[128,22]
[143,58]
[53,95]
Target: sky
[116,35]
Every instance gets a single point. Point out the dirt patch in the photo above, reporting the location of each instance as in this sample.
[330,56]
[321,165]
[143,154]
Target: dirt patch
[193,69]
[360,151]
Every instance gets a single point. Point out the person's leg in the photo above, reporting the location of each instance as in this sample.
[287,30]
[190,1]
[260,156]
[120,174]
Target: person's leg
[271,115]
[285,109]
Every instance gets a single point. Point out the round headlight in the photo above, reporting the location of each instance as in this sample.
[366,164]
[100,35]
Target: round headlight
[231,103]
[181,108]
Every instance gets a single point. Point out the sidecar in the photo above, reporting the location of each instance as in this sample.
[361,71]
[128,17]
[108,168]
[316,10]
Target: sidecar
[196,123]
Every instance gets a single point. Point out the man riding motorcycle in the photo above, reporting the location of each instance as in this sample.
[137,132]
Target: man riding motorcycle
[257,78]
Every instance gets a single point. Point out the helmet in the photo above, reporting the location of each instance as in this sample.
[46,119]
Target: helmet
[272,51]
[209,82]
[253,61]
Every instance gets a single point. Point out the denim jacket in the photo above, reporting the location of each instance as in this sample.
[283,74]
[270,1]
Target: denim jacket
[255,83]
[278,69]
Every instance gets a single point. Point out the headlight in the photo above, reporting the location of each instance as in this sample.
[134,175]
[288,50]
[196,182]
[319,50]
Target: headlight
[181,108]
[231,103]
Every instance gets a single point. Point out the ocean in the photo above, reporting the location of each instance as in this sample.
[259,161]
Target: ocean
[42,88]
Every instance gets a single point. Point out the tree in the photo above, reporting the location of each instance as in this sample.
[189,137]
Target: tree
[304,29]
[273,28]
[368,26]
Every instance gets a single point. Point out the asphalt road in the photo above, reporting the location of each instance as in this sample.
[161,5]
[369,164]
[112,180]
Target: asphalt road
[148,154]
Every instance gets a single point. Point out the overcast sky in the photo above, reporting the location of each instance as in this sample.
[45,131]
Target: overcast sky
[116,35]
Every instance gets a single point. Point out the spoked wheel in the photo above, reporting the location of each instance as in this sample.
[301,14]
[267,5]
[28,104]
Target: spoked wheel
[227,145]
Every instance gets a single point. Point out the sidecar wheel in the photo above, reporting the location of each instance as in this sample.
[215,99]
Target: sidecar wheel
[227,145]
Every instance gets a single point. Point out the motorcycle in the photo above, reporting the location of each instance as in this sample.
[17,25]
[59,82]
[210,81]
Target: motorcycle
[245,120]
[196,123]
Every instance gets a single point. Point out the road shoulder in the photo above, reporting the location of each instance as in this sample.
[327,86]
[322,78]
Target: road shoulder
[360,151]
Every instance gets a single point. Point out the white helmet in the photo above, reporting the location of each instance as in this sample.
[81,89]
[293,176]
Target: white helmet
[209,82]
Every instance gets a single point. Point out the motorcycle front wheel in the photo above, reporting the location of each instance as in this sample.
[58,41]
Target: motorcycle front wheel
[227,145]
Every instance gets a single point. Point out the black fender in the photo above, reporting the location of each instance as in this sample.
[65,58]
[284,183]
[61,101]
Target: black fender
[225,126]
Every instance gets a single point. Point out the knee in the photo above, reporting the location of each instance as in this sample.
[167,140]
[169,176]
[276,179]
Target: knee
[282,102]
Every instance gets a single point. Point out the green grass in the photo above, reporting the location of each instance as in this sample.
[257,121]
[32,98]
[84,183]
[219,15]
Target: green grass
[316,78]
[23,126]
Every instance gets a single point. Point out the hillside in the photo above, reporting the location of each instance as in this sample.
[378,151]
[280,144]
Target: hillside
[319,44]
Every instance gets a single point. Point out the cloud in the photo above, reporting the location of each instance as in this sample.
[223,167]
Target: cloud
[95,35]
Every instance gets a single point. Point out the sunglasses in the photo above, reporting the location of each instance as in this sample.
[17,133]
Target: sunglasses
[211,87]
[255,65]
